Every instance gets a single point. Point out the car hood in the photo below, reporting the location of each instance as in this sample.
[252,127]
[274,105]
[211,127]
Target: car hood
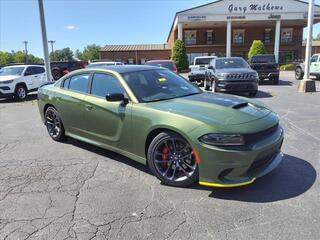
[9,77]
[236,70]
[214,108]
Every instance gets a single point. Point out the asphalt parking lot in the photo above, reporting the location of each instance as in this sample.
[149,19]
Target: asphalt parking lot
[72,190]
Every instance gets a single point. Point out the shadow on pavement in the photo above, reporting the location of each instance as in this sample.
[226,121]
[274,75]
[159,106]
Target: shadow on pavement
[281,83]
[109,155]
[30,97]
[293,177]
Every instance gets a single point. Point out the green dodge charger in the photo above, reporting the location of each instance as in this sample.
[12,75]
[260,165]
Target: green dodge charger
[158,118]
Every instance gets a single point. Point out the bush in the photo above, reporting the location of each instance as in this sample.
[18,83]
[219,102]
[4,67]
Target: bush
[179,55]
[286,67]
[256,48]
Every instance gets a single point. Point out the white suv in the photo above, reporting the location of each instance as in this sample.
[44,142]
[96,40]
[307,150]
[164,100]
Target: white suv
[18,80]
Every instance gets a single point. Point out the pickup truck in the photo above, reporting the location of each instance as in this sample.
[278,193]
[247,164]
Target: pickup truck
[266,67]
[314,67]
[199,67]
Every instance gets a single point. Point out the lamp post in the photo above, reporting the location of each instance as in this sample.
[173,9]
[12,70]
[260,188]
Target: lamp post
[44,41]
[51,42]
[26,51]
[307,84]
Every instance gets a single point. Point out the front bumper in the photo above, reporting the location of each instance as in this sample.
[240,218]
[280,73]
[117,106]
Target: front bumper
[5,92]
[196,77]
[227,167]
[236,86]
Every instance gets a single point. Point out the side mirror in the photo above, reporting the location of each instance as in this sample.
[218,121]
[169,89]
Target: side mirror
[117,97]
[210,67]
[27,73]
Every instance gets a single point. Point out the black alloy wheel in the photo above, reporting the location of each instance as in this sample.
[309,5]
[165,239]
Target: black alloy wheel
[172,160]
[54,124]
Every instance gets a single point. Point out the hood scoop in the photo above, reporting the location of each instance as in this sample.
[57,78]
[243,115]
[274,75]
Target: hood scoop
[240,105]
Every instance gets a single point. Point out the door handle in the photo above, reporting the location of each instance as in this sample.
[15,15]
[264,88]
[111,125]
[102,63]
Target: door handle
[88,107]
[35,76]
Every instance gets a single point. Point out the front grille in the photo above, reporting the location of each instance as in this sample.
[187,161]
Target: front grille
[255,137]
[240,76]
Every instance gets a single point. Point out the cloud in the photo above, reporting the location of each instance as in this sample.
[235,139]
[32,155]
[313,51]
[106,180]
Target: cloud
[71,27]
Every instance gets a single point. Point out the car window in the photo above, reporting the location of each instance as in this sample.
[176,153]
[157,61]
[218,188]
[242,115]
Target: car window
[79,82]
[7,71]
[66,83]
[30,71]
[314,58]
[39,70]
[103,84]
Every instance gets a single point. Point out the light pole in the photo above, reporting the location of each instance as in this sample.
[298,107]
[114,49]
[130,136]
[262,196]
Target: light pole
[307,84]
[26,51]
[51,42]
[44,41]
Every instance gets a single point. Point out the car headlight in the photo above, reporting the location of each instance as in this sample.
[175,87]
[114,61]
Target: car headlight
[220,139]
[221,75]
[6,82]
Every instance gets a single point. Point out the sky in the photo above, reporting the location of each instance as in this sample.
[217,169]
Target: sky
[77,23]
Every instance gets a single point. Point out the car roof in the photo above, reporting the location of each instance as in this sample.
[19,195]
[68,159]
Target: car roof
[24,65]
[206,57]
[124,68]
[167,60]
[93,63]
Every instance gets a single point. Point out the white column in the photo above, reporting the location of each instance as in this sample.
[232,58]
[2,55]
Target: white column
[228,44]
[180,31]
[309,41]
[277,40]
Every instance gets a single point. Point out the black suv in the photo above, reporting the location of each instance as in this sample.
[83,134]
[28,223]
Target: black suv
[59,69]
[266,66]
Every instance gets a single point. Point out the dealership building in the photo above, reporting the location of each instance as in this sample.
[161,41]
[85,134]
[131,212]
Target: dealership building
[228,28]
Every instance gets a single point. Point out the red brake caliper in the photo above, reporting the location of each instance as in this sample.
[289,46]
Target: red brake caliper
[165,153]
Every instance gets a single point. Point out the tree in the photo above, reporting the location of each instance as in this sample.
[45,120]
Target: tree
[257,47]
[64,54]
[90,52]
[19,57]
[5,58]
[179,55]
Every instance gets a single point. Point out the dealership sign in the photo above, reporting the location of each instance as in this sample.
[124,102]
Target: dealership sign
[259,8]
[197,18]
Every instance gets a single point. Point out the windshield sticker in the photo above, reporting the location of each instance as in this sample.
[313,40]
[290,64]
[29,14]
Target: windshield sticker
[162,79]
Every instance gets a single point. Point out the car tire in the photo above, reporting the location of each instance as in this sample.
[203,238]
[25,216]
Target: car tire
[20,92]
[299,73]
[252,94]
[206,84]
[275,80]
[54,124]
[56,74]
[171,159]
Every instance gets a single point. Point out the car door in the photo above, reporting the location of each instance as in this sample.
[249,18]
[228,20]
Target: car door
[70,103]
[39,76]
[29,77]
[314,64]
[107,122]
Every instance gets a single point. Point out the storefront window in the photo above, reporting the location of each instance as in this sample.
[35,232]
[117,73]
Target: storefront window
[209,37]
[238,36]
[286,35]
[130,61]
[267,35]
[190,37]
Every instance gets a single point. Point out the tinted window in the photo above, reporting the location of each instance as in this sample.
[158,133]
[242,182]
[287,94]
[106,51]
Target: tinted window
[168,65]
[202,61]
[79,82]
[103,84]
[231,63]
[39,70]
[30,71]
[314,58]
[263,59]
[159,84]
[66,83]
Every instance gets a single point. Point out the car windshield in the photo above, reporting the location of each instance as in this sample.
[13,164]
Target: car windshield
[168,65]
[100,65]
[158,84]
[7,71]
[263,59]
[231,63]
[202,61]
